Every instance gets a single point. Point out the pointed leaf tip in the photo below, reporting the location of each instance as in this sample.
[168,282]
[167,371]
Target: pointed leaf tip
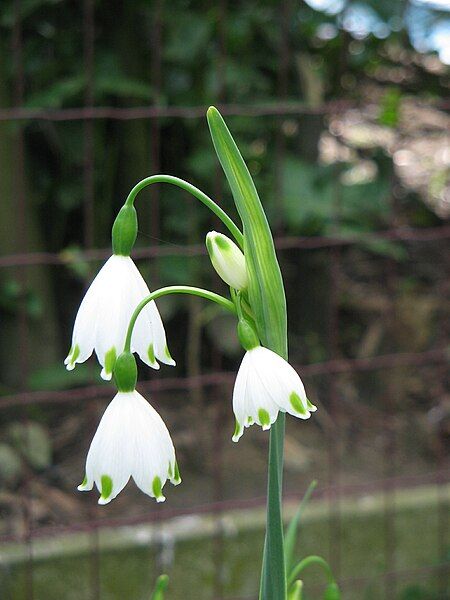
[212,112]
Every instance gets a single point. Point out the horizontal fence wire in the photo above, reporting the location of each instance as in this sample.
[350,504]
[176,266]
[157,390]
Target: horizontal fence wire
[166,384]
[184,112]
[404,234]
[156,112]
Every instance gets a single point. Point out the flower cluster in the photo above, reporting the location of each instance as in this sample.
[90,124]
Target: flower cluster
[119,318]
[132,439]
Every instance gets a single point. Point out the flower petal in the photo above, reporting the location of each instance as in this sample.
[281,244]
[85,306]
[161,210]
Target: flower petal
[240,408]
[149,336]
[111,454]
[251,401]
[154,451]
[84,330]
[281,382]
[115,308]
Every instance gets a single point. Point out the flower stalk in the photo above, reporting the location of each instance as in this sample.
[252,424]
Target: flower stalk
[188,187]
[175,289]
[268,302]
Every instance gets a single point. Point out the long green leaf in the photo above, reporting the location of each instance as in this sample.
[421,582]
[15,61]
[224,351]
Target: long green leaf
[268,303]
[291,533]
[266,291]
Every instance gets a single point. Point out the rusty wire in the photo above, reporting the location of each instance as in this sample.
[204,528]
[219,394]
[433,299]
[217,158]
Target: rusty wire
[402,234]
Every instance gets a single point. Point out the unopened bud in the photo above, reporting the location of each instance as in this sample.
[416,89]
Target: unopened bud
[227,259]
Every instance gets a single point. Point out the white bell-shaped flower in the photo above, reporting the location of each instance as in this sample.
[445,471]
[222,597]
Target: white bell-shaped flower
[131,441]
[266,384]
[104,314]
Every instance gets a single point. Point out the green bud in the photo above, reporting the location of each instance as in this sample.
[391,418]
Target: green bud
[227,259]
[332,592]
[125,372]
[124,230]
[247,335]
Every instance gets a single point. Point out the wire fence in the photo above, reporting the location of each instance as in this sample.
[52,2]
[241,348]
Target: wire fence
[221,494]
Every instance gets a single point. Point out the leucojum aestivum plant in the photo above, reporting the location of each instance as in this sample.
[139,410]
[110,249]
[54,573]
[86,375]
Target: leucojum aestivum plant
[118,318]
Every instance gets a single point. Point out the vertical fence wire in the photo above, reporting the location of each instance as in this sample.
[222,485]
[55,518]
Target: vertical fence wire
[442,500]
[156,76]
[219,415]
[389,454]
[155,128]
[389,431]
[88,28]
[334,426]
[21,233]
[88,125]
[284,62]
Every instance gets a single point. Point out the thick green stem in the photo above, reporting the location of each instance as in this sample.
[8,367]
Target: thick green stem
[207,201]
[273,577]
[174,289]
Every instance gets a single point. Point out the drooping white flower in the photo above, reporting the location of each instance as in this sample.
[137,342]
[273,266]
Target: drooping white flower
[266,384]
[104,314]
[131,441]
[227,259]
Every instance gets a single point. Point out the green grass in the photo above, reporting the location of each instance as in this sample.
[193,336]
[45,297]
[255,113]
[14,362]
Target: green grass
[203,566]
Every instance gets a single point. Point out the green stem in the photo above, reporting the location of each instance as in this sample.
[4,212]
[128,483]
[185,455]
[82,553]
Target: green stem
[306,562]
[207,201]
[174,289]
[273,578]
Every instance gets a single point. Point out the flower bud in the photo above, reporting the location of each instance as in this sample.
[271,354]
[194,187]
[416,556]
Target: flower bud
[227,259]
